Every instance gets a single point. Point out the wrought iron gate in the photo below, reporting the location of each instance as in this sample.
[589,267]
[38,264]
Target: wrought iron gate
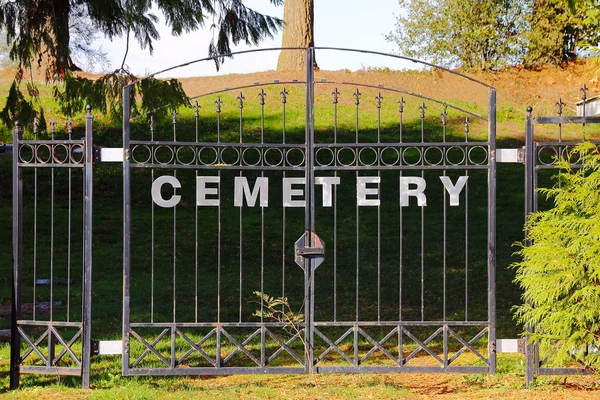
[374,285]
[52,253]
[560,134]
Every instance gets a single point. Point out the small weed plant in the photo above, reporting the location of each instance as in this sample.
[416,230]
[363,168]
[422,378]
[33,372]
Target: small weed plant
[559,271]
[278,309]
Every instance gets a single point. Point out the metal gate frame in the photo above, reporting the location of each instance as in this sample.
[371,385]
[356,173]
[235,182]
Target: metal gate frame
[309,253]
[533,164]
[312,254]
[59,153]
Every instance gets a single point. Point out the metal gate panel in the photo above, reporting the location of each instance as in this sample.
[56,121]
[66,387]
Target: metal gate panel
[369,293]
[52,254]
[200,311]
[562,133]
[387,263]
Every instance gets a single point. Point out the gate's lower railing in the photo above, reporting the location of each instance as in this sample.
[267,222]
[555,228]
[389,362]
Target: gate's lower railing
[52,262]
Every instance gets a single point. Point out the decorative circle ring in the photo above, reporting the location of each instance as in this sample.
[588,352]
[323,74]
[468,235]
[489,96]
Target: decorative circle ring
[340,156]
[163,162]
[137,149]
[406,150]
[390,150]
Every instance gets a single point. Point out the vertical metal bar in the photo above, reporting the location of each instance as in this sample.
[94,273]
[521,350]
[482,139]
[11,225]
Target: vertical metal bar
[335,123]
[378,99]
[262,96]
[444,241]
[423,107]
[126,229]
[400,228]
[445,345]
[35,202]
[530,367]
[466,222]
[51,305]
[173,335]
[492,231]
[357,103]
[196,120]
[240,99]
[218,360]
[70,177]
[51,348]
[284,94]
[310,200]
[355,333]
[560,105]
[400,345]
[174,114]
[401,104]
[218,355]
[87,266]
[173,338]
[17,249]
[152,233]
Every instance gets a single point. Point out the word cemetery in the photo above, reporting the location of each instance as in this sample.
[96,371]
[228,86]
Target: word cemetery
[367,190]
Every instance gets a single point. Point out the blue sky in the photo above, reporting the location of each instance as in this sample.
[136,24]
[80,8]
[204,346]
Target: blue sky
[338,23]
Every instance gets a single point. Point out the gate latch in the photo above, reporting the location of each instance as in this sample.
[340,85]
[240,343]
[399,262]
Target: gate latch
[311,248]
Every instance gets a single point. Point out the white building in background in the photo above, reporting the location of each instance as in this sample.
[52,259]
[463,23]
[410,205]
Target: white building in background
[592,107]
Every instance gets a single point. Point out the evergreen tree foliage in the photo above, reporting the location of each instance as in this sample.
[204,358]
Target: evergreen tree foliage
[560,267]
[40,36]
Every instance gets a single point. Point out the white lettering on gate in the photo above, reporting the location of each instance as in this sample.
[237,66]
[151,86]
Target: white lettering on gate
[157,186]
[202,191]
[410,186]
[362,191]
[454,190]
[288,192]
[327,182]
[241,186]
[418,192]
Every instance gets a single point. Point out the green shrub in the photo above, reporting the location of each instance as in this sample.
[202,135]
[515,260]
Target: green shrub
[560,269]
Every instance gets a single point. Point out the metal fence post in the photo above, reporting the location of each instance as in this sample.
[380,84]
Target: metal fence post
[310,202]
[17,233]
[492,232]
[529,202]
[87,248]
[126,229]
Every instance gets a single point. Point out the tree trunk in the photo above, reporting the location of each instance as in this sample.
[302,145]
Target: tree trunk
[298,31]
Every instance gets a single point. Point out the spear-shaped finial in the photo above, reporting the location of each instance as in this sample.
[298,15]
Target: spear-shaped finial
[262,96]
[357,95]
[401,104]
[559,105]
[378,99]
[423,107]
[584,91]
